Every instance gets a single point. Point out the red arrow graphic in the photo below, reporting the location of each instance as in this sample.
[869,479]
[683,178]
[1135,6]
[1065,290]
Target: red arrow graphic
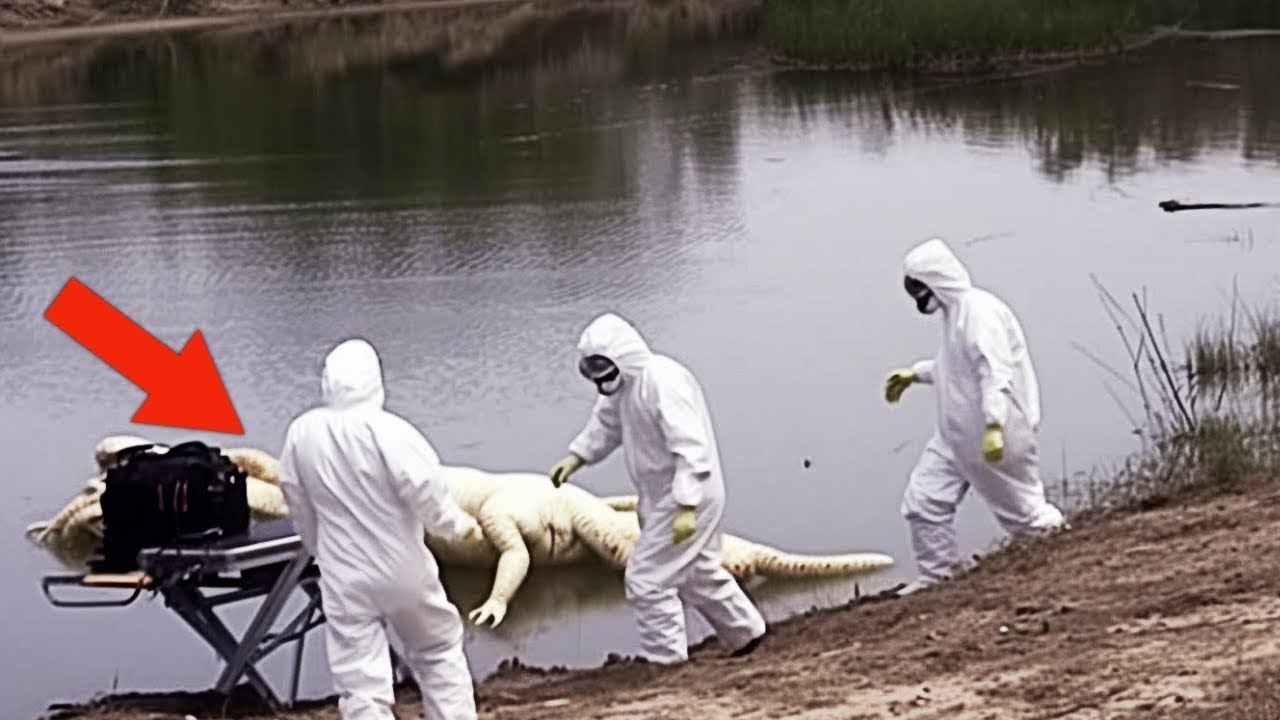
[183,389]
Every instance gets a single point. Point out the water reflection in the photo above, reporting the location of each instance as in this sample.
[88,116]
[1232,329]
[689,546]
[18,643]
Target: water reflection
[473,103]
[1171,104]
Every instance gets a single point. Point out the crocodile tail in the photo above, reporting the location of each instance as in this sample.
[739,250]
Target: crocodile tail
[622,503]
[750,558]
[780,564]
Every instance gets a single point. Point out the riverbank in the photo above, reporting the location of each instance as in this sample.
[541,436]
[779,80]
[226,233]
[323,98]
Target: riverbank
[30,22]
[928,36]
[1000,36]
[1170,609]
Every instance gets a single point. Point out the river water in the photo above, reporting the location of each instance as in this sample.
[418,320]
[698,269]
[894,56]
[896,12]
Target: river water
[281,195]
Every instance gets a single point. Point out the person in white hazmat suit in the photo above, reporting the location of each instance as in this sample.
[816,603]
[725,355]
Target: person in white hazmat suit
[362,485]
[654,407]
[988,407]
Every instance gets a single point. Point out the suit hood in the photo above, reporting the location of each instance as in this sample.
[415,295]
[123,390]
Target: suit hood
[615,338]
[352,376]
[933,264]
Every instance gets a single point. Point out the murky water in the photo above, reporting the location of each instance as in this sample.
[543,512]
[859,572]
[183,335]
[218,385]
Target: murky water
[280,198]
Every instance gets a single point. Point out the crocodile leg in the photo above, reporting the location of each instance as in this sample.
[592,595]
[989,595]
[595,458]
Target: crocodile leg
[501,530]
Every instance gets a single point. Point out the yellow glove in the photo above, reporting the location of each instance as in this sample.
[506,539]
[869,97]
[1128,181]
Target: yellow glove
[683,527]
[993,444]
[897,382]
[561,471]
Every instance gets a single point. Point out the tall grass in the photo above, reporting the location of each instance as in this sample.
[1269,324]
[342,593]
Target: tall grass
[1211,421]
[954,33]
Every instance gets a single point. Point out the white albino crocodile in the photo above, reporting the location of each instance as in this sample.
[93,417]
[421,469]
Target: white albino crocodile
[525,522]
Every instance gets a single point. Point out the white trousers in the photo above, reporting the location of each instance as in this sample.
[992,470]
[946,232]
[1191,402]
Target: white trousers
[1012,490]
[658,591]
[430,632]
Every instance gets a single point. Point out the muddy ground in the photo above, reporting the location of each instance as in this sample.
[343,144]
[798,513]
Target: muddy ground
[1172,611]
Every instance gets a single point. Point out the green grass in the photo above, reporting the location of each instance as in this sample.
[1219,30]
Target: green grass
[1265,349]
[1231,430]
[1216,362]
[1218,359]
[941,34]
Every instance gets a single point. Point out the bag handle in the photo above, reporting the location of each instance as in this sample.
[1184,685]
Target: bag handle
[48,582]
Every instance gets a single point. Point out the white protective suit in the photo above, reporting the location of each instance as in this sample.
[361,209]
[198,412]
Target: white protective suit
[983,374]
[362,484]
[660,418]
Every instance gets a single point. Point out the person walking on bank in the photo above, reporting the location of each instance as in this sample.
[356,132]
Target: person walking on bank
[988,406]
[654,407]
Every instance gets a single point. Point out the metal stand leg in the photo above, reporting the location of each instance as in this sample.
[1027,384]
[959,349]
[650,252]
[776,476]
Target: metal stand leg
[313,591]
[295,631]
[189,605]
[184,580]
[261,623]
[297,657]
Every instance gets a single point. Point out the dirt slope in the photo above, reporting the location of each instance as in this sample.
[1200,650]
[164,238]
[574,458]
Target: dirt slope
[1173,612]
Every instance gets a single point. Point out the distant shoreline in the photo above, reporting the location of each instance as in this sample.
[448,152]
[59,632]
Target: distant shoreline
[43,23]
[74,23]
[952,37]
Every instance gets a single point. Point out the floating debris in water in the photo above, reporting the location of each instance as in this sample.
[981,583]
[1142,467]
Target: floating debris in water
[1212,85]
[1175,206]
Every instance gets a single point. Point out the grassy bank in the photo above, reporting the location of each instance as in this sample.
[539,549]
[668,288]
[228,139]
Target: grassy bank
[977,34]
[1210,413]
[924,35]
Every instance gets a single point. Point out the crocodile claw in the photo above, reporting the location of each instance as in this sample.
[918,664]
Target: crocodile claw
[492,610]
